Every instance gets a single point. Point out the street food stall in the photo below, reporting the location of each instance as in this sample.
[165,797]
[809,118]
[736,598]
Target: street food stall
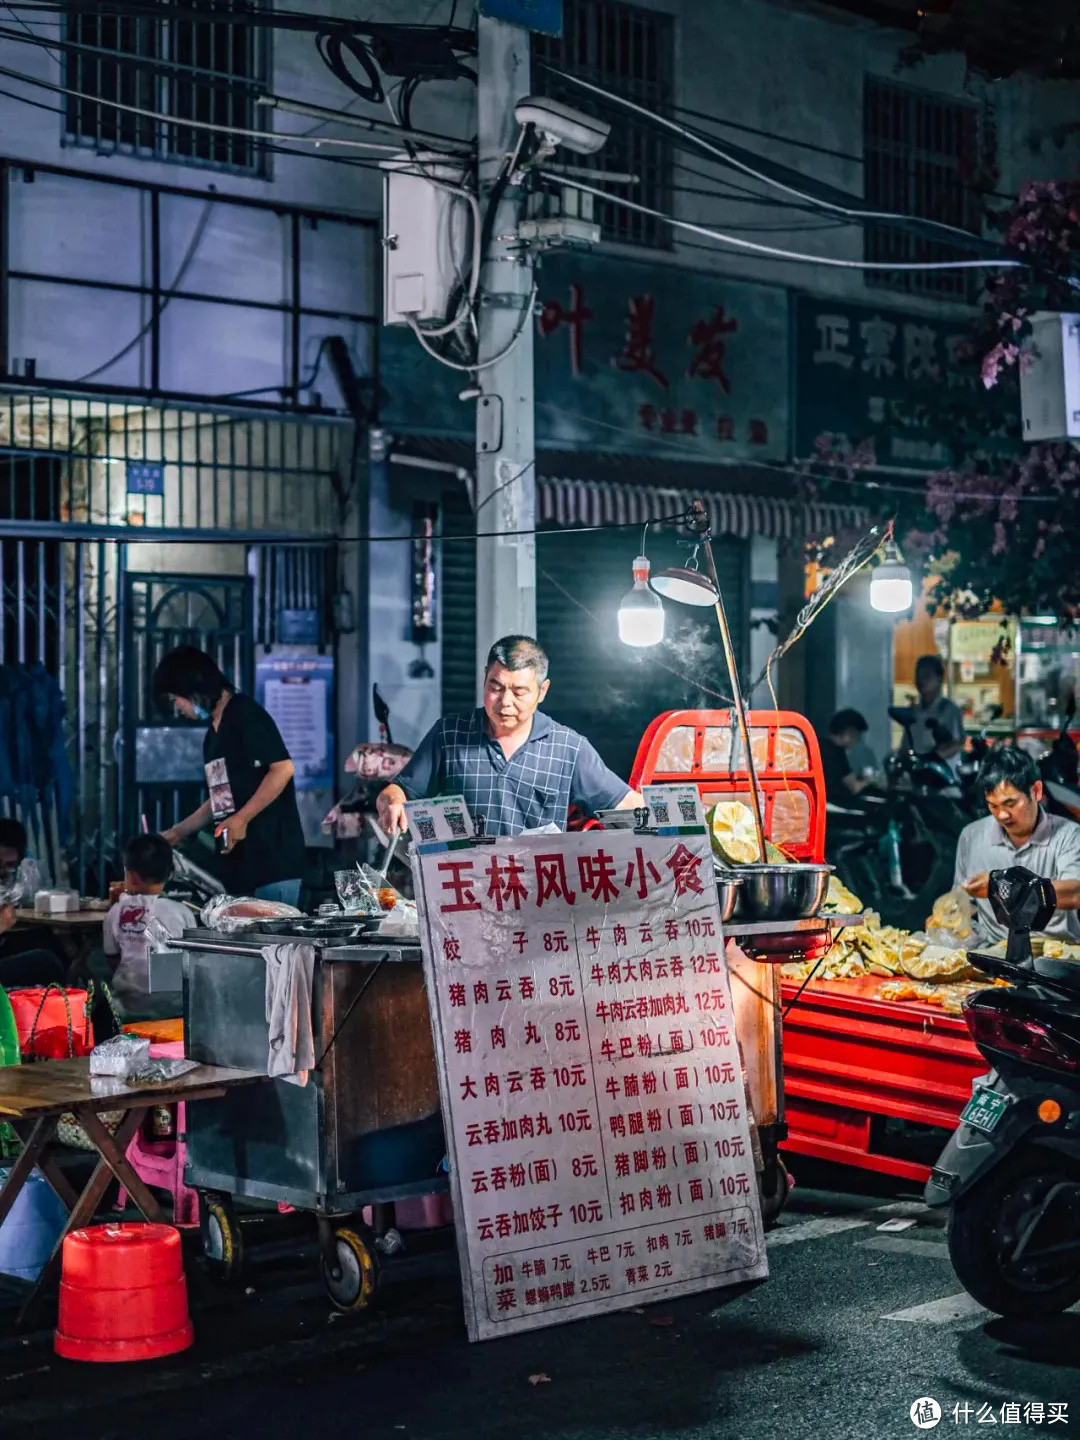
[863,1053]
[363,1129]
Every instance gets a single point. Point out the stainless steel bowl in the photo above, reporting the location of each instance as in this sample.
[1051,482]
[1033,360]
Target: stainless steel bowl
[781,892]
[727,892]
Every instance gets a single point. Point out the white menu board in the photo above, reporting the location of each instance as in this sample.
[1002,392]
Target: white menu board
[591,1087]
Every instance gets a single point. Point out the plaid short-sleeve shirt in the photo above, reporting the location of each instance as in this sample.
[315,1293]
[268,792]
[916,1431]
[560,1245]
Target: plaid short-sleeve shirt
[556,767]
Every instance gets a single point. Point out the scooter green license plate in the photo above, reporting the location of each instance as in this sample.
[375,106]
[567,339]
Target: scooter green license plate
[985,1109]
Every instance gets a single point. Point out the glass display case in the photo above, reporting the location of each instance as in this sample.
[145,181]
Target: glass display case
[1046,672]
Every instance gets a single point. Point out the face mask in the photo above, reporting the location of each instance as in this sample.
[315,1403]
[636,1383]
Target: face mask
[197,711]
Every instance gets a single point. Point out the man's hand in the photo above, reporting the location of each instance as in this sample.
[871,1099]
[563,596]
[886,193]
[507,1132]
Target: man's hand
[978,886]
[236,825]
[173,835]
[7,918]
[390,806]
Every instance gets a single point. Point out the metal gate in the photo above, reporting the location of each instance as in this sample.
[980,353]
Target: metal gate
[265,491]
[59,620]
[162,771]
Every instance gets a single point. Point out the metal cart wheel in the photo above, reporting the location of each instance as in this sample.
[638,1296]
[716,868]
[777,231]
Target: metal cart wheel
[357,1277]
[774,1189]
[223,1246]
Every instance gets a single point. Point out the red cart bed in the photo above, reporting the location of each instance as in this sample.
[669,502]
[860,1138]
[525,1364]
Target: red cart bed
[849,1058]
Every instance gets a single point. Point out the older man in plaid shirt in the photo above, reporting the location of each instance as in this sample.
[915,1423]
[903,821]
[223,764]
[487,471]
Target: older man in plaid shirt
[514,765]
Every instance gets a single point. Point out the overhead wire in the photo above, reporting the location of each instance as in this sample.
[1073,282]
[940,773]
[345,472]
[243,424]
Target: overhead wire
[355,162]
[209,125]
[162,302]
[475,366]
[828,260]
[848,207]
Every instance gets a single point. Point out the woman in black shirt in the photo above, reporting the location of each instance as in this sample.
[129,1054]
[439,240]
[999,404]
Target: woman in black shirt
[249,776]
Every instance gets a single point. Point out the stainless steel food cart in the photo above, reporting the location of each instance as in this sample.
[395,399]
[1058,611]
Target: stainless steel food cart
[365,1130]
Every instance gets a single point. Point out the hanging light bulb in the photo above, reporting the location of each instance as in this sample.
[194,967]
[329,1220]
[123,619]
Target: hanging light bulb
[641,613]
[891,590]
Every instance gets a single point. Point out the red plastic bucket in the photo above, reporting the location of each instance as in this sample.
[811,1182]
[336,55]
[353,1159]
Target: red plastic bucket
[123,1295]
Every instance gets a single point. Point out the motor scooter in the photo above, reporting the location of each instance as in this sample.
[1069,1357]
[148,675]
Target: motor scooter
[1010,1175]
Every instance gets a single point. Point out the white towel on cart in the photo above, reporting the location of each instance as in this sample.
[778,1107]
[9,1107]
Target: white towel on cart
[290,968]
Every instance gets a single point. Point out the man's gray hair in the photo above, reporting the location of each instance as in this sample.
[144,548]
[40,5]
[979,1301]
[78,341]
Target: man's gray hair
[518,652]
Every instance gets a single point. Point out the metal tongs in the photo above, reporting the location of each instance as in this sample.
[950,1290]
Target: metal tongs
[389,854]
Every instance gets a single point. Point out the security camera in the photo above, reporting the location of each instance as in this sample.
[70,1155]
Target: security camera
[559,124]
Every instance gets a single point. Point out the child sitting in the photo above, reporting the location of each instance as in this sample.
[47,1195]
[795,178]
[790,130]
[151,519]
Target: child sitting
[141,916]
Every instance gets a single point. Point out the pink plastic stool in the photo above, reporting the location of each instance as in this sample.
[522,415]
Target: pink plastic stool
[160,1163]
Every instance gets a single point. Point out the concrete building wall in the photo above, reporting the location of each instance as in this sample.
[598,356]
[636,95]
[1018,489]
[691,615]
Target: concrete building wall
[794,69]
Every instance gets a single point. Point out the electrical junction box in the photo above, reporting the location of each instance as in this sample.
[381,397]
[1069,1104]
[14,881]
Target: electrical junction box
[1050,378]
[559,230]
[427,242]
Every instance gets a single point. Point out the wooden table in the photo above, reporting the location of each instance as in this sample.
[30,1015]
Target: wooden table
[34,1097]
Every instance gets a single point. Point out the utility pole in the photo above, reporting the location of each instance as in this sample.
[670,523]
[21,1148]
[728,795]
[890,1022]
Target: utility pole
[505,443]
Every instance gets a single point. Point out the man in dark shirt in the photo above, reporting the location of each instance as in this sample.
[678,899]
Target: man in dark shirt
[513,764]
[842,785]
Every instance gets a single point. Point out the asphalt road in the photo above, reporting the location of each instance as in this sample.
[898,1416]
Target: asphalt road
[853,1326]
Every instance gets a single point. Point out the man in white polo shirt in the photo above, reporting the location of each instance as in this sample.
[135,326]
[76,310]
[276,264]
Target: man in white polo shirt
[1018,831]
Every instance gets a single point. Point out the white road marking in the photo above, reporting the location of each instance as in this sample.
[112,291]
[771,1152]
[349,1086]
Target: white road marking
[943,1312]
[813,1229]
[913,1210]
[927,1249]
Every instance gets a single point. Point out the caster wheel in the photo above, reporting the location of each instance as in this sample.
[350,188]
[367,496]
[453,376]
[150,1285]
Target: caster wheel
[222,1244]
[774,1200]
[358,1271]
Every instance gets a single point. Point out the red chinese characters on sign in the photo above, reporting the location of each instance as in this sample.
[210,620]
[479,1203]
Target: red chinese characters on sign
[574,316]
[551,879]
[638,355]
[457,880]
[505,884]
[684,867]
[710,348]
[591,1071]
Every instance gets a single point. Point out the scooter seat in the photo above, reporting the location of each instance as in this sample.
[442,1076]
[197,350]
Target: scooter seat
[1062,972]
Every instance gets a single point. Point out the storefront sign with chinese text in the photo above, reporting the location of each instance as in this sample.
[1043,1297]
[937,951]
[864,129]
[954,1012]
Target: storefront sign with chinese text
[631,358]
[866,375]
[595,1112]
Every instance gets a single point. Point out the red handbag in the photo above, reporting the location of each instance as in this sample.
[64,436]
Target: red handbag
[53,1023]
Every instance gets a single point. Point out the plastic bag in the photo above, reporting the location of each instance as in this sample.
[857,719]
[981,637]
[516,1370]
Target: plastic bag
[356,893]
[951,921]
[156,1072]
[123,1055]
[228,914]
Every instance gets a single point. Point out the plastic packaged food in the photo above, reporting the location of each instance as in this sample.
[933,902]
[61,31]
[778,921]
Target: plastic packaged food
[229,913]
[155,1072]
[123,1055]
[355,893]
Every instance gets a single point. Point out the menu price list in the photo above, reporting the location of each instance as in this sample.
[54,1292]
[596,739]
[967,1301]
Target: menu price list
[590,1075]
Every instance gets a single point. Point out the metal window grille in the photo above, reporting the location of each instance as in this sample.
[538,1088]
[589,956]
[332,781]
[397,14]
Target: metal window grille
[208,70]
[632,51]
[920,155]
